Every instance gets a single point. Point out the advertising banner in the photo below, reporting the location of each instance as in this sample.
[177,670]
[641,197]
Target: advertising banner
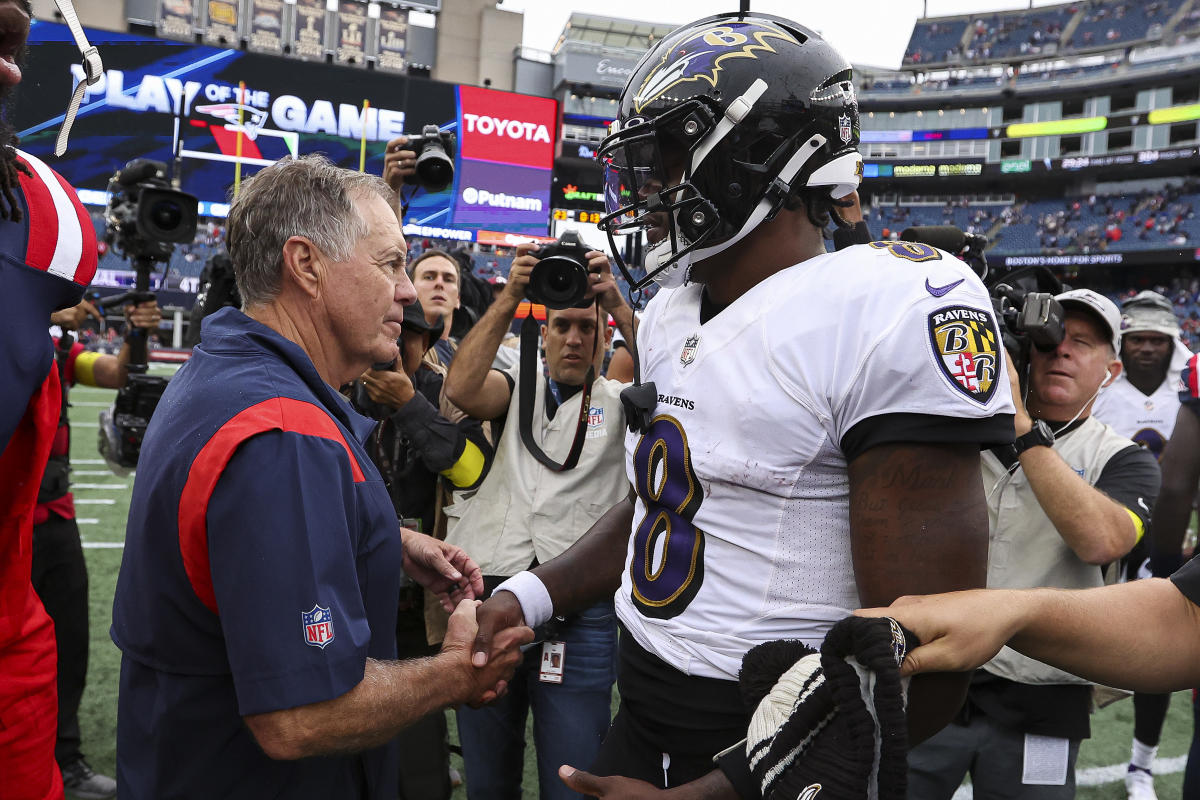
[352,30]
[308,41]
[393,39]
[266,26]
[177,18]
[222,23]
[159,97]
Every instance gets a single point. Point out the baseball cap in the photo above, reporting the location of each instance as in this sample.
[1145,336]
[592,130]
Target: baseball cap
[414,319]
[1149,312]
[1099,305]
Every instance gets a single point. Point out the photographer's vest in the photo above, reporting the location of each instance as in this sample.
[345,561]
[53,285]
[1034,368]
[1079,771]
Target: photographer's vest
[523,510]
[1027,551]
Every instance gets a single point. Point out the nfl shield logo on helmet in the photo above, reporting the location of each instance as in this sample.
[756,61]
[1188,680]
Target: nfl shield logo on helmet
[689,350]
[318,626]
[964,346]
[845,128]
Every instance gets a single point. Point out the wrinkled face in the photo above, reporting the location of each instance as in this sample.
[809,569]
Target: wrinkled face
[1145,351]
[364,296]
[570,339]
[1063,380]
[436,280]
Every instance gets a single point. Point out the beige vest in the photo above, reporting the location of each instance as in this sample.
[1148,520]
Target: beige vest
[1027,551]
[523,509]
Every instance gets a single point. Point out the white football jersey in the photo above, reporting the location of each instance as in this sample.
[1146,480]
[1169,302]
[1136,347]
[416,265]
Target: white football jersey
[1147,420]
[741,527]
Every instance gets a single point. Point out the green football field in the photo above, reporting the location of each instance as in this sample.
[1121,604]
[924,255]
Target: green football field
[102,505]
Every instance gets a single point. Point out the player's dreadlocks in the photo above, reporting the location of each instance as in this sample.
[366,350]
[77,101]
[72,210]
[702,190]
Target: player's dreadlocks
[10,209]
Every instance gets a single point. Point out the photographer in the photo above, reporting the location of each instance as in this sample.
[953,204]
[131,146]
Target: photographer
[1070,497]
[526,512]
[59,570]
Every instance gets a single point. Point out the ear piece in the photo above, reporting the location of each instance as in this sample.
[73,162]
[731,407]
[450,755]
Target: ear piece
[1109,377]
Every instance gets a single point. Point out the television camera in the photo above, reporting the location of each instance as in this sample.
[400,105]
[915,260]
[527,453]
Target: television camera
[144,220]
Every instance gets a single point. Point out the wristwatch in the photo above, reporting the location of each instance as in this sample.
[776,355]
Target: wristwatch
[1039,436]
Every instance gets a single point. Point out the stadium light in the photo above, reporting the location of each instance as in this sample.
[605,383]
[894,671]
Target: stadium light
[1061,127]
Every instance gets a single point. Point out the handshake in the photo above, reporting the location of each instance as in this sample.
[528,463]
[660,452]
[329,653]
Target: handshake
[483,640]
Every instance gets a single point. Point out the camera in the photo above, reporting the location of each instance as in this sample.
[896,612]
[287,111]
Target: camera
[145,217]
[560,278]
[144,220]
[435,158]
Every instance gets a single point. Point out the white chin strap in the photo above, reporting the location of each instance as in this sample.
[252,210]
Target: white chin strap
[93,69]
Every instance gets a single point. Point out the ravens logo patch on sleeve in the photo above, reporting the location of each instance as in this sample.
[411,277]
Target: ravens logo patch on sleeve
[965,346]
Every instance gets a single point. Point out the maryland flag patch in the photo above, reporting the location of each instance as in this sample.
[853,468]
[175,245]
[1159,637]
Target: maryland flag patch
[965,346]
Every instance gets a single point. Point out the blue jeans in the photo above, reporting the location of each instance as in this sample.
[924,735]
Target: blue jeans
[569,719]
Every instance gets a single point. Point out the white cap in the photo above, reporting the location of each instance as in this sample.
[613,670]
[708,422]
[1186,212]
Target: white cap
[1149,312]
[1099,305]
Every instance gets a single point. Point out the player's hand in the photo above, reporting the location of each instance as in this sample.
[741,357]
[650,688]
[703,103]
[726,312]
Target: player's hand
[398,162]
[145,315]
[518,273]
[613,787]
[482,684]
[390,387]
[71,319]
[602,284]
[501,612]
[959,631]
[442,568]
[1022,423]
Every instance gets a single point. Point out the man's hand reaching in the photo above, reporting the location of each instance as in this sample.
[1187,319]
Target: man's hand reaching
[484,682]
[444,569]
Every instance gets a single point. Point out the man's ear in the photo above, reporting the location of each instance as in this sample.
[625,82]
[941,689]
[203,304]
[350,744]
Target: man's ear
[303,266]
[1115,367]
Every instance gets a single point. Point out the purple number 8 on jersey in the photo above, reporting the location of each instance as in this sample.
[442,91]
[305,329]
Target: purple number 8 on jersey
[667,567]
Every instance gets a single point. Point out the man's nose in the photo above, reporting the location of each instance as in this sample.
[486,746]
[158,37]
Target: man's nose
[405,293]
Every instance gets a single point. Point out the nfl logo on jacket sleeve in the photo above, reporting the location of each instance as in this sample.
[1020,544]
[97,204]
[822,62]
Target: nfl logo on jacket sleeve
[318,626]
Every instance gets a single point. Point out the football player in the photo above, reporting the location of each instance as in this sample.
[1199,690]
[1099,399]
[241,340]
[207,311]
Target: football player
[808,425]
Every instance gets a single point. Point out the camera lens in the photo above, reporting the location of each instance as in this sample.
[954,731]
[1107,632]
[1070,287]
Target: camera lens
[167,214]
[435,170]
[558,281]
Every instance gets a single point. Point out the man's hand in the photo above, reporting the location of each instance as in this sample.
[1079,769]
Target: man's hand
[70,319]
[398,162]
[390,387]
[501,612]
[518,273]
[615,787]
[145,315]
[602,283]
[1022,422]
[444,569]
[959,631]
[484,684]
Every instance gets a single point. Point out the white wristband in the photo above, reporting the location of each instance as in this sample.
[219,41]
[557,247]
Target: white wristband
[532,595]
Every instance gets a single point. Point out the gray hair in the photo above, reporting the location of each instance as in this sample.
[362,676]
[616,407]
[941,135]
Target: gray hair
[307,196]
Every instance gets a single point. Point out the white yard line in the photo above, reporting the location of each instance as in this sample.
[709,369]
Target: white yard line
[1097,776]
[79,501]
[112,486]
[87,520]
[103,545]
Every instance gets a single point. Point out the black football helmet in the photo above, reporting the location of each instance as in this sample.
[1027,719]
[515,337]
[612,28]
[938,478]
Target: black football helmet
[717,125]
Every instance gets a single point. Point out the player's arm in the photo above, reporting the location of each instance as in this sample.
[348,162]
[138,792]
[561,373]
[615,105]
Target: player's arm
[1180,476]
[112,372]
[471,384]
[392,695]
[1142,635]
[580,576]
[918,525]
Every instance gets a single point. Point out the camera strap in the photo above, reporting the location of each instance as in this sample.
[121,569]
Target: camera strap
[528,388]
[93,70]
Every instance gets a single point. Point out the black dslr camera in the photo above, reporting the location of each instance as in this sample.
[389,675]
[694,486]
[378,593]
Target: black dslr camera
[560,278]
[144,220]
[435,158]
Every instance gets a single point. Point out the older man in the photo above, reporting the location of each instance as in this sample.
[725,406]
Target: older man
[256,604]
